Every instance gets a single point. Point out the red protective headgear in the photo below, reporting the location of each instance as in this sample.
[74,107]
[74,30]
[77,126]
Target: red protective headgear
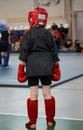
[38,17]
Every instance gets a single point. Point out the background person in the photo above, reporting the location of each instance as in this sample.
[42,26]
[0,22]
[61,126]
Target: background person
[0,51]
[77,46]
[4,46]
[56,35]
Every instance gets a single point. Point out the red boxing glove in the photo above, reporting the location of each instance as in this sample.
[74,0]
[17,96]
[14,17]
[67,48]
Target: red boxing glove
[22,77]
[56,72]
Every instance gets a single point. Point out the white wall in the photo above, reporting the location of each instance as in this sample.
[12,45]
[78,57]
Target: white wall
[77,5]
[15,8]
[77,19]
[80,26]
[15,11]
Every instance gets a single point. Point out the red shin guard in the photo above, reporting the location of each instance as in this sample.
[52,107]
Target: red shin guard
[50,110]
[32,108]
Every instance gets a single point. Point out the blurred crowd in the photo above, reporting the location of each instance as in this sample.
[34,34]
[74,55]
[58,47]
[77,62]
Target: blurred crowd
[14,37]
[63,42]
[60,35]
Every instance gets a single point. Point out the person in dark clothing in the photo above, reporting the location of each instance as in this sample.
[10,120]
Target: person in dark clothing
[39,56]
[61,29]
[56,35]
[0,58]
[0,51]
[66,31]
[78,47]
[68,45]
[4,43]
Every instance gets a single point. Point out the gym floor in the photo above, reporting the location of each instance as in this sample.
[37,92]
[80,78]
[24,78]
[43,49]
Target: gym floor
[68,92]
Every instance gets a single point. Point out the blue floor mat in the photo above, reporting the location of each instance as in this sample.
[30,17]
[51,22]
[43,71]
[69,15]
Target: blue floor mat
[71,65]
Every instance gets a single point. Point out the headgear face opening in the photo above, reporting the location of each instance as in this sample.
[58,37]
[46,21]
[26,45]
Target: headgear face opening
[38,17]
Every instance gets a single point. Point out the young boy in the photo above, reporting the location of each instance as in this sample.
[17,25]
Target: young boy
[39,56]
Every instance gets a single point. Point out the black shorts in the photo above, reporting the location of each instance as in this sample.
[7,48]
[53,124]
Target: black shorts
[34,80]
[3,46]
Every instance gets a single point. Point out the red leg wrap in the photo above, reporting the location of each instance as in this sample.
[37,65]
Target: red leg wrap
[50,110]
[32,108]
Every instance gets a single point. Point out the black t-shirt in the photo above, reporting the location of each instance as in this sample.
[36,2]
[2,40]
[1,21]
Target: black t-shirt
[4,35]
[68,45]
[38,51]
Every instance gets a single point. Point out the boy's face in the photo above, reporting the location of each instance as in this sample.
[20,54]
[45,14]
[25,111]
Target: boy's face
[54,33]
